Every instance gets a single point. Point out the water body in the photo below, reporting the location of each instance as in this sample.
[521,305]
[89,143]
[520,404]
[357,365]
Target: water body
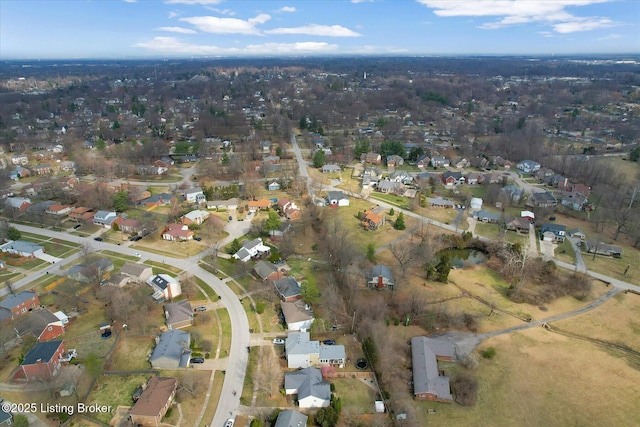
[465,257]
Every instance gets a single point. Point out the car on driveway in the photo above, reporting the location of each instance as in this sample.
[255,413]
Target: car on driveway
[228,423]
[197,239]
[197,360]
[279,341]
[137,254]
[329,342]
[75,227]
[106,334]
[200,308]
[98,239]
[230,218]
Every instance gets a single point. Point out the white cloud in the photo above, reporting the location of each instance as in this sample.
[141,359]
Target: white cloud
[216,25]
[173,14]
[317,30]
[227,12]
[289,9]
[130,1]
[203,2]
[545,33]
[517,12]
[611,37]
[177,30]
[173,46]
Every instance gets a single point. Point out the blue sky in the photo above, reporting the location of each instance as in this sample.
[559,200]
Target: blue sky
[52,29]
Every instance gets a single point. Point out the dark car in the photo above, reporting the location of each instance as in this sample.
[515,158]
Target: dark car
[106,334]
[230,218]
[98,239]
[75,227]
[197,239]
[197,360]
[329,342]
[334,328]
[135,239]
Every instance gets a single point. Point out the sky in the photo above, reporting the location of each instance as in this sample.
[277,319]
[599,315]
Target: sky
[130,29]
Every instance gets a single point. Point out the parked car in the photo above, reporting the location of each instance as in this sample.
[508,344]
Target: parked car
[230,218]
[229,423]
[334,327]
[98,239]
[75,227]
[279,341]
[137,255]
[136,238]
[200,308]
[197,239]
[197,360]
[329,342]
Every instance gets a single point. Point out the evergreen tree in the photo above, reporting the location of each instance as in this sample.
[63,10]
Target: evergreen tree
[400,225]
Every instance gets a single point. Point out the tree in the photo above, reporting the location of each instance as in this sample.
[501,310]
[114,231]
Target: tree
[392,212]
[388,148]
[634,156]
[20,420]
[443,268]
[13,233]
[310,293]
[319,159]
[94,366]
[120,201]
[400,225]
[272,222]
[371,253]
[404,253]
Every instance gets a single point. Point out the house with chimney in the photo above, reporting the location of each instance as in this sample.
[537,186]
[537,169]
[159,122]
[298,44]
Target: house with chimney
[288,289]
[153,403]
[298,315]
[165,287]
[81,214]
[42,361]
[380,277]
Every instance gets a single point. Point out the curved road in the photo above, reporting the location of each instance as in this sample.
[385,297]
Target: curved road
[240,338]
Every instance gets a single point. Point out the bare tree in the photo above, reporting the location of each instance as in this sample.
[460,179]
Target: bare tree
[191,382]
[404,252]
[269,376]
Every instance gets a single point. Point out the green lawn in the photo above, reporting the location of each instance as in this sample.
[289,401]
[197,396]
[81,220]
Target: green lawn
[492,231]
[564,252]
[225,323]
[166,267]
[401,202]
[355,395]
[247,389]
[114,391]
[208,290]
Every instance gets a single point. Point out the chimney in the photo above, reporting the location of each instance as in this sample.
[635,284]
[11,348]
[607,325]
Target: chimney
[380,284]
[169,292]
[566,182]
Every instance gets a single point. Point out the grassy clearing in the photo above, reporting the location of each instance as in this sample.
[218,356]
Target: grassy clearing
[132,354]
[216,390]
[251,314]
[492,231]
[247,389]
[401,202]
[208,290]
[550,370]
[225,323]
[115,390]
[166,267]
[355,395]
[615,267]
[564,252]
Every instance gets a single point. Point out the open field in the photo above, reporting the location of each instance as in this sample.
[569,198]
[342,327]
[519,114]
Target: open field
[615,267]
[541,378]
[131,354]
[492,231]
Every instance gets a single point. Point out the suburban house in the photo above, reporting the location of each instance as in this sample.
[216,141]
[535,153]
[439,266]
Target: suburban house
[42,324]
[177,232]
[18,304]
[104,218]
[290,418]
[337,198]
[394,160]
[403,177]
[42,361]
[268,271]
[81,214]
[528,166]
[302,352]
[297,315]
[390,187]
[575,201]
[577,233]
[380,277]
[165,287]
[439,162]
[58,209]
[22,248]
[118,280]
[528,215]
[423,161]
[97,270]
[521,225]
[19,159]
[252,249]
[553,232]
[307,383]
[195,217]
[178,314]
[273,186]
[594,246]
[288,289]
[428,384]
[331,169]
[161,199]
[543,199]
[290,210]
[138,273]
[172,350]
[473,178]
[129,225]
[265,146]
[452,179]
[223,204]
[259,205]
[42,169]
[17,203]
[475,203]
[487,217]
[371,157]
[440,202]
[194,195]
[372,220]
[153,403]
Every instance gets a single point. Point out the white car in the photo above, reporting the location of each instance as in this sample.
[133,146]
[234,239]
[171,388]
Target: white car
[228,423]
[137,254]
[278,341]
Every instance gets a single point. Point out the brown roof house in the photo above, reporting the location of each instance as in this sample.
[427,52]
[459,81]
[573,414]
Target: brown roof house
[154,402]
[138,273]
[179,314]
[177,232]
[428,384]
[372,220]
[266,270]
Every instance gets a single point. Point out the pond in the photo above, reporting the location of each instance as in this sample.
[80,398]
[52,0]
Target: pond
[465,257]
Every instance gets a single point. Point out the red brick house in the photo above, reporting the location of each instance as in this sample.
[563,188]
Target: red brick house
[290,210]
[42,324]
[20,303]
[154,402]
[372,221]
[129,225]
[81,214]
[42,361]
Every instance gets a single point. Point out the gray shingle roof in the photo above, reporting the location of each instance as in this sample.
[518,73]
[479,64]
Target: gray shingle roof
[426,378]
[43,351]
[15,300]
[174,345]
[291,418]
[287,287]
[308,382]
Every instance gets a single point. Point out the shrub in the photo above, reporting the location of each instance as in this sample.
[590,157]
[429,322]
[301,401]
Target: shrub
[470,362]
[465,390]
[259,307]
[489,353]
[256,422]
[392,212]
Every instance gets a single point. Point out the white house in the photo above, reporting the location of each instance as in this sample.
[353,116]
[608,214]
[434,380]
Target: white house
[528,166]
[23,248]
[165,287]
[297,315]
[194,195]
[104,218]
[307,383]
[252,249]
[476,203]
[337,198]
[197,217]
[302,352]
